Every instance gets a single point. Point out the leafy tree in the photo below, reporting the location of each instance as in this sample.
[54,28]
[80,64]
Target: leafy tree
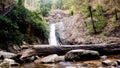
[9,33]
[45,7]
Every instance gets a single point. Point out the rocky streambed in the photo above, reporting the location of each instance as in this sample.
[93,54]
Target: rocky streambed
[110,61]
[78,58]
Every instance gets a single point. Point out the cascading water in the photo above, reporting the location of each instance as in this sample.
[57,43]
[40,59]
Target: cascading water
[52,39]
[56,33]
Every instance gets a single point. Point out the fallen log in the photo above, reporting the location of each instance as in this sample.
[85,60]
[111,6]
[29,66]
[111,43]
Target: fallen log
[61,50]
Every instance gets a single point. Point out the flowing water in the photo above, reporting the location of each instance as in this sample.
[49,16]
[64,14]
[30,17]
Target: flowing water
[52,39]
[56,32]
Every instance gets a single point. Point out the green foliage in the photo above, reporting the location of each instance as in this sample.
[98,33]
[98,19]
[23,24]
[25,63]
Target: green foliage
[45,7]
[76,5]
[101,21]
[71,12]
[44,11]
[57,4]
[15,27]
[9,33]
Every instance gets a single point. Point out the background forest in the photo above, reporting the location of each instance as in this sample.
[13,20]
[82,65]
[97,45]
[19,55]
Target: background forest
[27,23]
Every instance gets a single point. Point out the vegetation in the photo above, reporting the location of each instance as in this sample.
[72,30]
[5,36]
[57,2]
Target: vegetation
[22,25]
[45,7]
[100,23]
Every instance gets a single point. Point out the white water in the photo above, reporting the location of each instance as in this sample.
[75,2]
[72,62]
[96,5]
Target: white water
[52,39]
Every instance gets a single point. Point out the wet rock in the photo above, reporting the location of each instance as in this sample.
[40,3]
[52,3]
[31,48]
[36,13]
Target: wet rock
[7,54]
[100,67]
[79,55]
[34,57]
[11,62]
[107,62]
[118,62]
[72,67]
[112,67]
[115,64]
[5,65]
[65,63]
[47,59]
[118,66]
[103,57]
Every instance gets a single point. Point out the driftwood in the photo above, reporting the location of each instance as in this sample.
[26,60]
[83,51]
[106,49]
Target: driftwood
[61,50]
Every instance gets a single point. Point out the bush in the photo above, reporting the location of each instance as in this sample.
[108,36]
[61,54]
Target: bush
[9,33]
[101,23]
[22,25]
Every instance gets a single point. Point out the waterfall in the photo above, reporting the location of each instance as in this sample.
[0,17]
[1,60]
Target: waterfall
[53,38]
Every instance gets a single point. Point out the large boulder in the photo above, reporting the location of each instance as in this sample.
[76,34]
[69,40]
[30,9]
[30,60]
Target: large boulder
[81,55]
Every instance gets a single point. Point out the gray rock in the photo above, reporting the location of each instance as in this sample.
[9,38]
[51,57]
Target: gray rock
[59,58]
[118,66]
[34,58]
[100,67]
[103,57]
[5,65]
[107,62]
[11,62]
[118,62]
[112,67]
[7,54]
[47,59]
[80,55]
[115,64]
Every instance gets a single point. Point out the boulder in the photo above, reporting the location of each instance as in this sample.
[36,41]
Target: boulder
[118,62]
[27,53]
[59,58]
[107,62]
[5,65]
[47,59]
[7,54]
[11,62]
[81,55]
[103,57]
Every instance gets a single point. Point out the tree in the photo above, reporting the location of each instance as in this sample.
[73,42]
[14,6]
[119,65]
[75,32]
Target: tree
[20,2]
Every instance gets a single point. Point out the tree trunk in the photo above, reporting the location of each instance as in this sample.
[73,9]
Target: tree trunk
[61,50]
[116,16]
[92,20]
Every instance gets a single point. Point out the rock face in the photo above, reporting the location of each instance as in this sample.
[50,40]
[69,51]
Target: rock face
[47,59]
[80,55]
